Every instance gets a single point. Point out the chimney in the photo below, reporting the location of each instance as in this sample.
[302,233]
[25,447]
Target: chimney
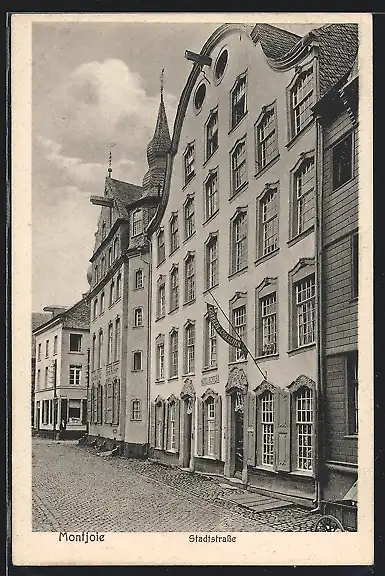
[55,310]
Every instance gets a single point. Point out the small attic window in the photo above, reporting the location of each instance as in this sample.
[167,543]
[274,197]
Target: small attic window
[200,96]
[221,64]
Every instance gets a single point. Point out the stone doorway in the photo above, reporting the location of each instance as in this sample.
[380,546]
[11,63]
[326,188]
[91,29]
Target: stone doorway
[187,424]
[236,393]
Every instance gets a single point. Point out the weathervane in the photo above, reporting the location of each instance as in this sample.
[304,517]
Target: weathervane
[110,157]
[161,82]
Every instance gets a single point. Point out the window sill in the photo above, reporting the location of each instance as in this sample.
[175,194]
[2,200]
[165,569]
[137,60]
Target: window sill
[118,299]
[206,457]
[207,290]
[209,369]
[174,310]
[160,263]
[268,469]
[267,357]
[267,166]
[295,138]
[306,348]
[188,182]
[189,237]
[138,289]
[302,473]
[210,157]
[189,302]
[300,236]
[173,251]
[111,305]
[188,374]
[237,273]
[210,217]
[160,381]
[137,370]
[265,257]
[73,352]
[135,420]
[351,437]
[160,317]
[236,362]
[172,378]
[136,327]
[342,185]
[170,451]
[237,124]
[238,191]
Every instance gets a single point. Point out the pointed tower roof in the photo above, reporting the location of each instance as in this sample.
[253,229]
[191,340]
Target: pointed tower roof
[157,148]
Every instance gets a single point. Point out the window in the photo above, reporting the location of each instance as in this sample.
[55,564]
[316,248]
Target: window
[137,361]
[137,222]
[95,312]
[171,445]
[102,303]
[96,273]
[211,249]
[238,167]
[200,96]
[352,378]
[159,410]
[161,247]
[342,161]
[174,232]
[112,292]
[99,404]
[103,230]
[103,266]
[221,64]
[100,349]
[174,289]
[73,410]
[239,242]
[161,303]
[38,380]
[304,197]
[160,361]
[301,101]
[212,134]
[76,342]
[46,348]
[210,345]
[266,137]
[268,315]
[304,426]
[117,339]
[189,218]
[190,278]
[305,311]
[55,345]
[268,223]
[211,195]
[115,400]
[93,359]
[238,101]
[173,354]
[239,323]
[39,352]
[110,258]
[190,349]
[189,163]
[136,413]
[46,377]
[354,271]
[209,444]
[267,428]
[110,343]
[118,286]
[139,280]
[75,375]
[138,317]
[116,248]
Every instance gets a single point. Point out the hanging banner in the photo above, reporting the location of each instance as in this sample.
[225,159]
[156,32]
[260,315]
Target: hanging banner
[232,340]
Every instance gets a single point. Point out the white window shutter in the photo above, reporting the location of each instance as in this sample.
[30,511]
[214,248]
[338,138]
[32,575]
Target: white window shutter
[199,427]
[282,431]
[251,428]
[218,426]
[177,424]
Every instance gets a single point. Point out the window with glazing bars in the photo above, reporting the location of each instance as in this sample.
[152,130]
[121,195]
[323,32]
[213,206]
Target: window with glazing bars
[302,101]
[174,288]
[160,364]
[305,304]
[139,279]
[174,233]
[138,317]
[171,429]
[304,196]
[137,222]
[210,414]
[100,349]
[238,166]
[189,218]
[190,278]
[136,412]
[304,423]
[212,134]
[267,145]
[211,195]
[211,345]
[212,262]
[189,163]
[173,354]
[239,323]
[239,242]
[158,425]
[161,247]
[75,375]
[269,223]
[352,374]
[269,325]
[110,344]
[238,102]
[161,300]
[190,349]
[117,339]
[267,423]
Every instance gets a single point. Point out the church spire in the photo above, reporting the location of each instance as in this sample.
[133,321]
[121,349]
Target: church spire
[158,146]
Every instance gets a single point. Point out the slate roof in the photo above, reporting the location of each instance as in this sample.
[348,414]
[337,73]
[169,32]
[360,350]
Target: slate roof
[77,316]
[124,194]
[38,318]
[275,41]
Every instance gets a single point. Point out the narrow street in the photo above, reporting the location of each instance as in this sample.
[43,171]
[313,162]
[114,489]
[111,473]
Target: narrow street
[74,489]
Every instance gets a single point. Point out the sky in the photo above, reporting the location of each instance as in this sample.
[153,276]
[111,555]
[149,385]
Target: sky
[94,84]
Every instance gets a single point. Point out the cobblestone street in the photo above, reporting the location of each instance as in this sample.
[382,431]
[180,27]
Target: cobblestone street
[74,489]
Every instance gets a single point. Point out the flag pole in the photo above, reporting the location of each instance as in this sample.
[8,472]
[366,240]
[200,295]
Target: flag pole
[264,374]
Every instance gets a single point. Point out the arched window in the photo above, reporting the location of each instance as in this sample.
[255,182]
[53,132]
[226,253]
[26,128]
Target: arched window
[100,349]
[117,339]
[112,292]
[110,343]
[189,348]
[139,279]
[118,286]
[238,101]
[238,167]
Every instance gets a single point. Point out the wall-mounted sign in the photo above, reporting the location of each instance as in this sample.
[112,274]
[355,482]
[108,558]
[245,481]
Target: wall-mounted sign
[209,380]
[232,340]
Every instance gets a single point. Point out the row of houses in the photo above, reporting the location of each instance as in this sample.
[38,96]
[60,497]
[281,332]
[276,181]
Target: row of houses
[221,332]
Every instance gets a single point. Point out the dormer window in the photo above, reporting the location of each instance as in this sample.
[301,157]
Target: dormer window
[189,163]
[137,222]
[238,101]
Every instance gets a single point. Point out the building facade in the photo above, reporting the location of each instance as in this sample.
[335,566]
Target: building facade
[338,118]
[235,228]
[60,374]
[119,291]
[38,318]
